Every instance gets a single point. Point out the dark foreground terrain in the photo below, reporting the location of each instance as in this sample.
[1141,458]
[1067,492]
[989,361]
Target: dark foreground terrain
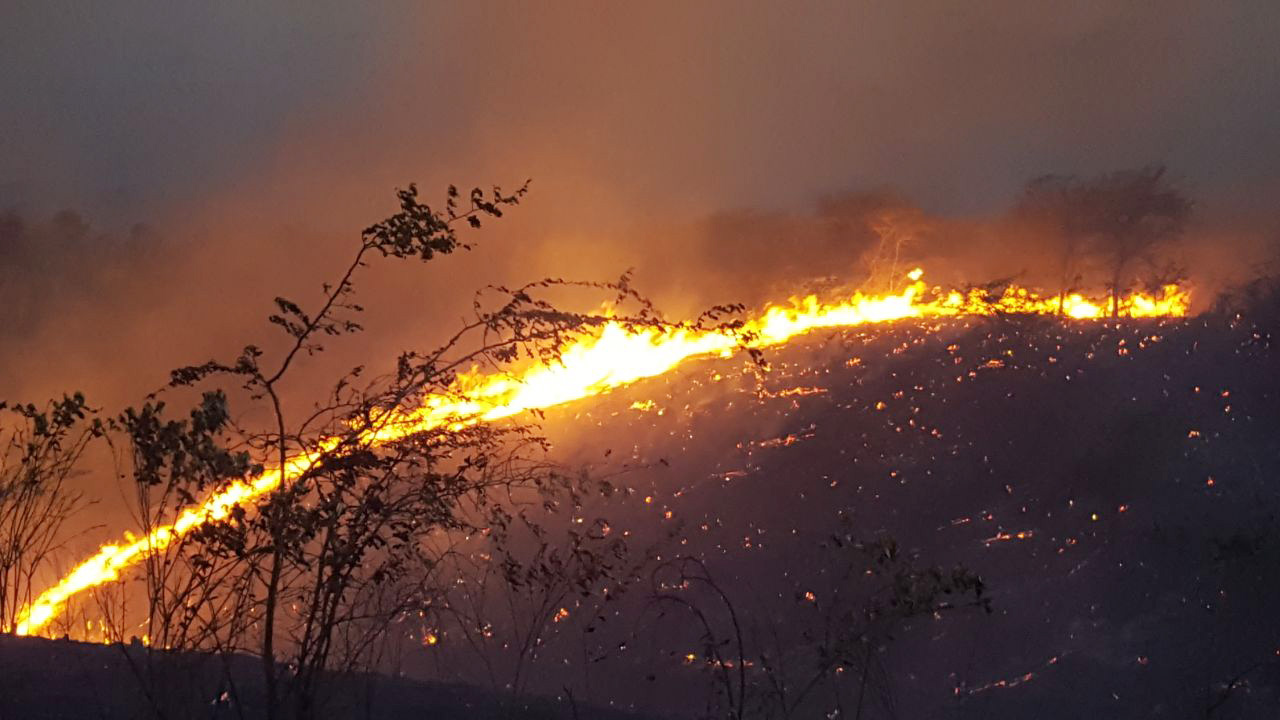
[65,680]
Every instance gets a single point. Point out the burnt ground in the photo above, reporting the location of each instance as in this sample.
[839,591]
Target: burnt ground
[1115,486]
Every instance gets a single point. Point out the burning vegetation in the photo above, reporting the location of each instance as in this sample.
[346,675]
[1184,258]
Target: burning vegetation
[619,352]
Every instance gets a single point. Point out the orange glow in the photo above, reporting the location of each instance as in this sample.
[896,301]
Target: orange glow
[614,357]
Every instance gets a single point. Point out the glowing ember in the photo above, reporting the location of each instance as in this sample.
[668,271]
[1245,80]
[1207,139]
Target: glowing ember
[614,357]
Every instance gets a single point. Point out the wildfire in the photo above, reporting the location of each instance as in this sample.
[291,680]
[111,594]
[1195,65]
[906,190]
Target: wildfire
[614,357]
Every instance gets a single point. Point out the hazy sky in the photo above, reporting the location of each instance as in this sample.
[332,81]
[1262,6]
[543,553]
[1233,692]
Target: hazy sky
[258,138]
[125,109]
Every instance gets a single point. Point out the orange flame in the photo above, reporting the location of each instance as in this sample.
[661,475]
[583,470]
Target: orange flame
[614,357]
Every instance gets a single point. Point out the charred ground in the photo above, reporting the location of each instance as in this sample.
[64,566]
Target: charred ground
[1114,485]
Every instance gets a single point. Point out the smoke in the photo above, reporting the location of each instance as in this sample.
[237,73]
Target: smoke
[728,152]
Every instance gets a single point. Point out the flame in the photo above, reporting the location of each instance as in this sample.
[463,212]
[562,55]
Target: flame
[614,357]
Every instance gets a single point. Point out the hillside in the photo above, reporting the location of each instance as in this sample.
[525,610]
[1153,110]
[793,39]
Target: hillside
[1116,488]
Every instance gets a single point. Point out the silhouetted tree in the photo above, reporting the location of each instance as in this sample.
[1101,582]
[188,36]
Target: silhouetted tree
[1131,214]
[1120,219]
[38,455]
[312,576]
[1050,205]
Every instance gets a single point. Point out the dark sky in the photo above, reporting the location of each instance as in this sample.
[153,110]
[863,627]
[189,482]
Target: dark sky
[255,140]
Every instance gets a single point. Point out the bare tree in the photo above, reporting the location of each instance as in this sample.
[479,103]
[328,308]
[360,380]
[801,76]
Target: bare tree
[1132,214]
[38,455]
[1050,206]
[311,577]
[897,228]
[1120,219]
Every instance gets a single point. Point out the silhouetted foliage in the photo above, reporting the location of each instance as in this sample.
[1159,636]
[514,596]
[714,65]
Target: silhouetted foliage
[39,453]
[828,664]
[1120,219]
[365,526]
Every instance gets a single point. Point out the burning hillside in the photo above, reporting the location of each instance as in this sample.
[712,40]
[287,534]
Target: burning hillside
[1099,475]
[614,357]
[1112,484]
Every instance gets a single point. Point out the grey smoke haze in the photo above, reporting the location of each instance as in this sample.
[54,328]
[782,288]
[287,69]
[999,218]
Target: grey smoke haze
[259,138]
